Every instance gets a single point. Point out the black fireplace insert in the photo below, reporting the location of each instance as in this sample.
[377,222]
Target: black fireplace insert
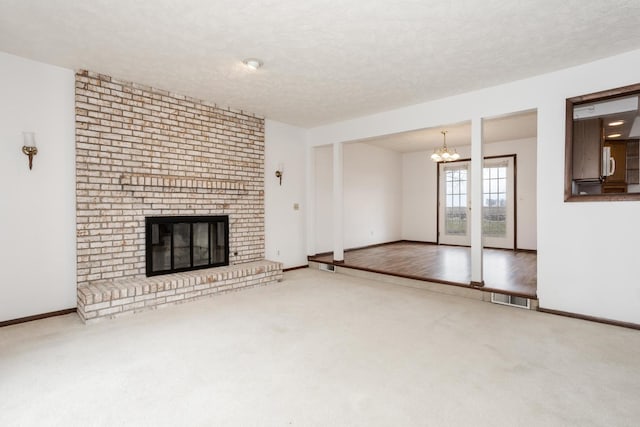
[183,243]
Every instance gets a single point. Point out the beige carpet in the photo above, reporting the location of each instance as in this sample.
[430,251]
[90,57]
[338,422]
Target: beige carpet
[322,350]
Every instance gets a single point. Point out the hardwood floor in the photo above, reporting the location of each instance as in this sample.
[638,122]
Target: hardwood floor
[504,270]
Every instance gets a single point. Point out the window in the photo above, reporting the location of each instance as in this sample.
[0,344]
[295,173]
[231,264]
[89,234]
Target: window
[602,144]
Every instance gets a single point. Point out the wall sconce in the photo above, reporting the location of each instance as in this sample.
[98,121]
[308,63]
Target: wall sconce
[29,148]
[280,172]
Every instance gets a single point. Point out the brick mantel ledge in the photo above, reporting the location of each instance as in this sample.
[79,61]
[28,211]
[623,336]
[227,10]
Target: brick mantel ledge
[148,180]
[113,298]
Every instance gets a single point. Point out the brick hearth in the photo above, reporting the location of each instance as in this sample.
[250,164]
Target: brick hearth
[114,298]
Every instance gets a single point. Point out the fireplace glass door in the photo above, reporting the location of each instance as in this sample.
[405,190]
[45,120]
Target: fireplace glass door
[182,243]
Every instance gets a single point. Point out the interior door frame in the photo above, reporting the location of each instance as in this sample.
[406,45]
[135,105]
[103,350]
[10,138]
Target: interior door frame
[515,196]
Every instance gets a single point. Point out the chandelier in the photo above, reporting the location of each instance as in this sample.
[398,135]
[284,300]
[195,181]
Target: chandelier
[443,154]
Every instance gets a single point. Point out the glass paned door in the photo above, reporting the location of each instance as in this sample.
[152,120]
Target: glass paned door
[498,203]
[454,203]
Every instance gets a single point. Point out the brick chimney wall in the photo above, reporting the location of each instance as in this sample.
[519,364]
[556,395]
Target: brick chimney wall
[143,152]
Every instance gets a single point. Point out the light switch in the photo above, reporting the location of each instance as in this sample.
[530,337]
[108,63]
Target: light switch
[296,207]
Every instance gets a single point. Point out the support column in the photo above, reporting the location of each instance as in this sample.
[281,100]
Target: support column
[338,203]
[477,162]
[310,187]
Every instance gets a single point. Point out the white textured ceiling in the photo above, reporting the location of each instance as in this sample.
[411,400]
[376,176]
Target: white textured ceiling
[508,128]
[325,60]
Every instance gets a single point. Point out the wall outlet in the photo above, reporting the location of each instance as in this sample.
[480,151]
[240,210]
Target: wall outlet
[278,252]
[296,206]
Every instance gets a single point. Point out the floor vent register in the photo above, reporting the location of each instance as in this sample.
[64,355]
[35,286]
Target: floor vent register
[327,267]
[510,300]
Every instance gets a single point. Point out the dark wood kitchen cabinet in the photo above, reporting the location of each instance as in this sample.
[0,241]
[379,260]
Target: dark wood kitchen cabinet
[587,149]
[617,183]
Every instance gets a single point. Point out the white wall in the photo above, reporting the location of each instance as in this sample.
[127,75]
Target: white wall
[37,207]
[323,167]
[372,196]
[587,251]
[419,197]
[419,220]
[284,225]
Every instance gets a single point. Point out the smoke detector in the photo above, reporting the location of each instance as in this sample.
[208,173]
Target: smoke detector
[252,63]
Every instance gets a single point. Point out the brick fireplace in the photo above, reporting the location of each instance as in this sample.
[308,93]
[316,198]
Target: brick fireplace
[143,152]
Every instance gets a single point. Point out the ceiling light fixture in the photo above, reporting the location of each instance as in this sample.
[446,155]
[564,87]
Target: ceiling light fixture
[252,63]
[443,154]
[616,123]
[614,135]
